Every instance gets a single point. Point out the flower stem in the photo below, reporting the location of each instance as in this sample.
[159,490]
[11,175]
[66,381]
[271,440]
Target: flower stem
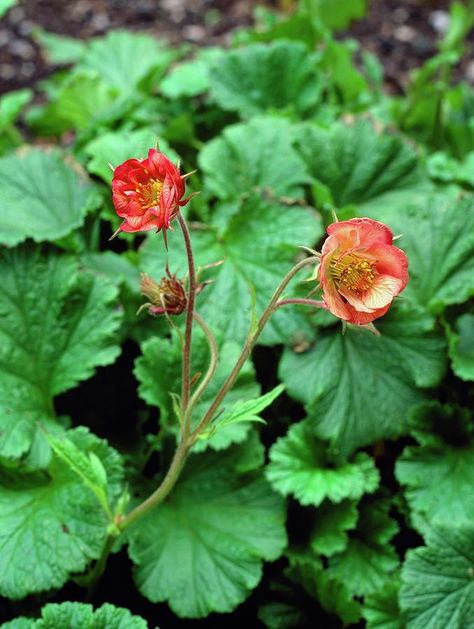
[186,367]
[249,344]
[304,302]
[187,440]
[212,365]
[163,489]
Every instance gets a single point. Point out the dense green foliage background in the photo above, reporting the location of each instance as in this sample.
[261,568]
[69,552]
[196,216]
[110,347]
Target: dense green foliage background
[360,482]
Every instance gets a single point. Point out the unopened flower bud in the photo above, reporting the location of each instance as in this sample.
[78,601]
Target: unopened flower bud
[167,297]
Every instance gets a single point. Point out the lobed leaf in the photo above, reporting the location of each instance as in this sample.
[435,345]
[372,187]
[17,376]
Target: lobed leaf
[51,526]
[360,387]
[257,155]
[437,580]
[57,325]
[461,347]
[301,465]
[208,539]
[259,77]
[55,615]
[42,197]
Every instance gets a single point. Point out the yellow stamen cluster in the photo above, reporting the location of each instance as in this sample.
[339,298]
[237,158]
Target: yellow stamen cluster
[148,194]
[353,273]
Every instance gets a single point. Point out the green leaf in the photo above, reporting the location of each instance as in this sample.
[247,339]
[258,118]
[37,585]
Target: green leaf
[209,538]
[111,149]
[335,14]
[5,5]
[123,59]
[258,242]
[89,469]
[11,105]
[80,102]
[345,83]
[116,147]
[246,410]
[191,78]
[51,526]
[255,155]
[461,347]
[42,197]
[365,566]
[59,49]
[57,325]
[55,615]
[360,166]
[359,387]
[332,521]
[438,473]
[301,465]
[332,595]
[381,610]
[163,356]
[257,78]
[437,581]
[461,21]
[439,241]
[280,615]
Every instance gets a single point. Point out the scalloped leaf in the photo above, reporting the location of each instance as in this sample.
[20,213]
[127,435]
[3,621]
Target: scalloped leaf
[361,167]
[123,59]
[257,155]
[57,325]
[437,581]
[302,465]
[359,387]
[83,615]
[209,538]
[42,197]
[52,526]
[461,347]
[260,77]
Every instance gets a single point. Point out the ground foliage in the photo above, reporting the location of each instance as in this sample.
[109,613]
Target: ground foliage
[359,483]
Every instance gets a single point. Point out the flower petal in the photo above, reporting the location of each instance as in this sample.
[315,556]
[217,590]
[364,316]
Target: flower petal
[382,291]
[360,232]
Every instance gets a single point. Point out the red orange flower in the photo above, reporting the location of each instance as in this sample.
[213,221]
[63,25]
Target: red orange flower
[361,271]
[147,192]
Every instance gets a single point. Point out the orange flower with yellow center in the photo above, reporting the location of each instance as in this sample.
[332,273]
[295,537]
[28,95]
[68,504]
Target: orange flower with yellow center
[361,271]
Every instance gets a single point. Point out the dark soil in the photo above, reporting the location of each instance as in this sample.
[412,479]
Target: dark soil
[401,33]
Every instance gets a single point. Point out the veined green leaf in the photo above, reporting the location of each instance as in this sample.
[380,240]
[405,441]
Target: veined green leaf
[185,543]
[302,465]
[256,78]
[83,615]
[360,387]
[57,325]
[51,526]
[437,581]
[42,197]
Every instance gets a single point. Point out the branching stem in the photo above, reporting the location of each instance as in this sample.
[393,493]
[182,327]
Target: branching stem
[249,344]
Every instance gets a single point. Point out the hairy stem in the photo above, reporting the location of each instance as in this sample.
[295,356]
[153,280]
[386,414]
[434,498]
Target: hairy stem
[162,490]
[211,369]
[186,367]
[303,302]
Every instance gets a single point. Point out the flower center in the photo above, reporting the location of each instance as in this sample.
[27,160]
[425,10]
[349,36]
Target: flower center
[353,273]
[149,193]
